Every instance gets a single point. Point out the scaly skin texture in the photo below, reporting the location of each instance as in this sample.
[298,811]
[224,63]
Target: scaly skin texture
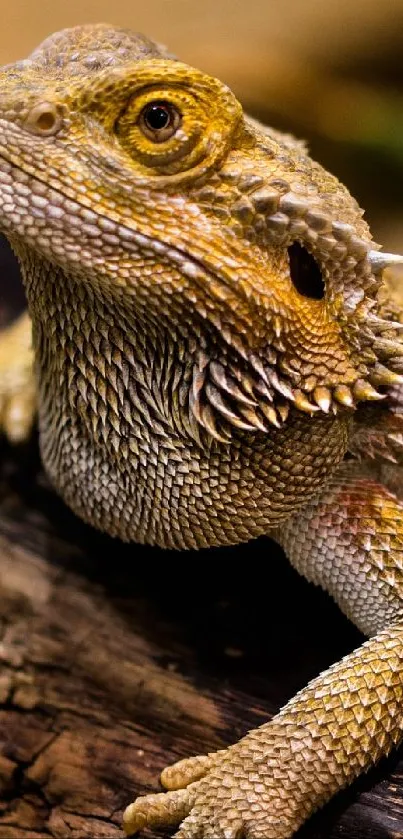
[216,356]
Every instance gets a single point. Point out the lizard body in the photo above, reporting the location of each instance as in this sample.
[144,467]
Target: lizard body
[211,338]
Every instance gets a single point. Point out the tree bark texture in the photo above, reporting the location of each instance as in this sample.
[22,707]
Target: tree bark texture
[118,659]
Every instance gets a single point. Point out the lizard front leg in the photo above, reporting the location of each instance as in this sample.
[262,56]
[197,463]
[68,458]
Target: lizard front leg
[17,385]
[350,540]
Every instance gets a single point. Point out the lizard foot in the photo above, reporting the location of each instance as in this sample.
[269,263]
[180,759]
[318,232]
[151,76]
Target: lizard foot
[17,386]
[226,795]
[169,809]
[194,802]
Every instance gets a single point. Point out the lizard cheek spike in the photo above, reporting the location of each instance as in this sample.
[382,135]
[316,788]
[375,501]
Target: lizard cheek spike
[218,355]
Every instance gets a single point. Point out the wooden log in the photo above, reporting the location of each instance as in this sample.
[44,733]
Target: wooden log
[116,660]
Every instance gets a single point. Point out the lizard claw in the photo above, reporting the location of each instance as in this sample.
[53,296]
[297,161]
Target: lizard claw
[17,385]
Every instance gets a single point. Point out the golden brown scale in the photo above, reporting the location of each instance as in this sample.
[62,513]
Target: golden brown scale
[211,335]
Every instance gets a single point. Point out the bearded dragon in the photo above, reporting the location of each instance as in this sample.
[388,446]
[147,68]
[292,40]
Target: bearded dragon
[215,356]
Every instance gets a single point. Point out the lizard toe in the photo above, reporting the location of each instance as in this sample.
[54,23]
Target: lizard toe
[165,809]
[18,413]
[186,771]
[17,383]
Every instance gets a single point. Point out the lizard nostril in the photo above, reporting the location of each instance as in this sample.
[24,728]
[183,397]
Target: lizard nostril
[44,119]
[305,272]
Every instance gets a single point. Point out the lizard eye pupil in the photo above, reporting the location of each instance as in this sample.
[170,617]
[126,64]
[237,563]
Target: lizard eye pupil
[159,121]
[305,272]
[157,116]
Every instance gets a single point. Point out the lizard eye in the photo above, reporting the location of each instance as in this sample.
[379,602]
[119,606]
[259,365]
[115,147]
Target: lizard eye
[159,121]
[171,125]
[305,272]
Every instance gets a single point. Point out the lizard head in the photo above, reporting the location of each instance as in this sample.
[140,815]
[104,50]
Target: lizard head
[142,177]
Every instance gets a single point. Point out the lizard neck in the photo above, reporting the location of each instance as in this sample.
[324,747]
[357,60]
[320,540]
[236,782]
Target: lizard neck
[114,371]
[117,440]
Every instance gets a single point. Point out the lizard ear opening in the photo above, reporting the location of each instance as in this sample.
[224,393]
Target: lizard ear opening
[305,272]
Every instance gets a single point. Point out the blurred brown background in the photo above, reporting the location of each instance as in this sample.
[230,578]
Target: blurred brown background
[327,70]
